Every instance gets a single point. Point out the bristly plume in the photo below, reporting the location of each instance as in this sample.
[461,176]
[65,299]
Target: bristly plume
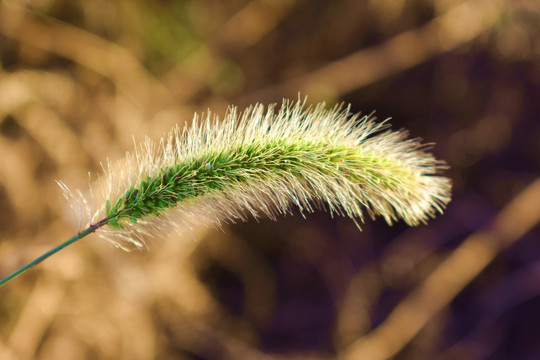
[261,162]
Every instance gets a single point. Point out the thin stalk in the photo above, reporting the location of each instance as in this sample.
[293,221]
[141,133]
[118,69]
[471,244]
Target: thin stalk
[77,237]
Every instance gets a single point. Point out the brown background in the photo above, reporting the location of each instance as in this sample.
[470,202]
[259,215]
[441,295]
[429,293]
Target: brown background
[80,79]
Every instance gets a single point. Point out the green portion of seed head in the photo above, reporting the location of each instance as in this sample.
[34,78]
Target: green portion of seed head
[240,165]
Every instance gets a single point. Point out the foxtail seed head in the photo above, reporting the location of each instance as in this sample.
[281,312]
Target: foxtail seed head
[262,162]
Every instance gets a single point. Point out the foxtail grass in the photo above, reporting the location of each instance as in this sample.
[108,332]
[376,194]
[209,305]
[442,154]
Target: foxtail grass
[261,162]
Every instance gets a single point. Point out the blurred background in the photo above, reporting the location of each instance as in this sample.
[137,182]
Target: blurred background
[79,80]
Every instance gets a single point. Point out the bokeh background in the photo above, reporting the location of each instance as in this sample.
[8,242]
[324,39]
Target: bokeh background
[79,80]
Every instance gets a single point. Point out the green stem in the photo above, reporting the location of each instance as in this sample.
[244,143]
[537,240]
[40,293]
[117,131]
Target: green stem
[77,237]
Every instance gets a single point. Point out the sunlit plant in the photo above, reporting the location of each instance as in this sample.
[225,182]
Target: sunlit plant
[261,162]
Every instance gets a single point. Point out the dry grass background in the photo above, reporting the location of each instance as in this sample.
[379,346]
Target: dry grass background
[80,79]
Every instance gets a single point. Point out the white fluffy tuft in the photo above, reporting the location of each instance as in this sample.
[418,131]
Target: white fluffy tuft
[260,162]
